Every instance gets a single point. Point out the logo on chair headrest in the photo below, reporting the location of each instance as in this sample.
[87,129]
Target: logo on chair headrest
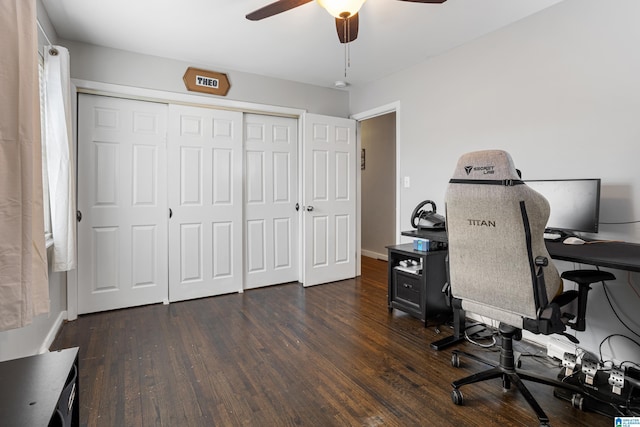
[486,170]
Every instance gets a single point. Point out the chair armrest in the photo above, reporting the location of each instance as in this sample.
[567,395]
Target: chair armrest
[584,278]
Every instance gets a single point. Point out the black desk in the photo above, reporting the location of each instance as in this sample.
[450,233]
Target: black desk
[436,235]
[617,255]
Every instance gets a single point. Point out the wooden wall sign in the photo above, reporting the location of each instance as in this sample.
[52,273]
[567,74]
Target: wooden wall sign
[198,80]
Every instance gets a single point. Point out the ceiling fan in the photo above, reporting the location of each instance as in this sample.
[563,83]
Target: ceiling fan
[344,11]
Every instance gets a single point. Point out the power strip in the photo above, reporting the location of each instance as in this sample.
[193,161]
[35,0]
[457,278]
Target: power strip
[557,348]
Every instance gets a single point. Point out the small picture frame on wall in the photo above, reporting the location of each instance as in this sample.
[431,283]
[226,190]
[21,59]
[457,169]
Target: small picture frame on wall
[363,159]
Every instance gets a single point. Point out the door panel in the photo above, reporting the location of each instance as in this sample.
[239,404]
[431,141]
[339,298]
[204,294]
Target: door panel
[283,236]
[122,250]
[271,191]
[226,259]
[329,199]
[205,196]
[320,242]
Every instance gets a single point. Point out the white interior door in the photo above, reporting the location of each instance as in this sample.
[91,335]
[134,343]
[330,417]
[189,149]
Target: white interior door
[271,193]
[329,156]
[122,237]
[205,197]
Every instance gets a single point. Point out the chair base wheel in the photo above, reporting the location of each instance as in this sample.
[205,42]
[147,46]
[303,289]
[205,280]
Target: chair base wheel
[455,360]
[456,397]
[577,401]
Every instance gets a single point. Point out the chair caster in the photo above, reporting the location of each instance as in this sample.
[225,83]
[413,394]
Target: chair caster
[456,397]
[577,401]
[455,360]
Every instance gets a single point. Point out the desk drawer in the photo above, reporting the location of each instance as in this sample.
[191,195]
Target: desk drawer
[408,287]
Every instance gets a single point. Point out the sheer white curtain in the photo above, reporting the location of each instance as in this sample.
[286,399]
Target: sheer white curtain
[24,286]
[60,165]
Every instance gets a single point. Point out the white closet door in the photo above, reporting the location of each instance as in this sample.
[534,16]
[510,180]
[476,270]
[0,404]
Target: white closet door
[122,237]
[329,199]
[205,197]
[271,192]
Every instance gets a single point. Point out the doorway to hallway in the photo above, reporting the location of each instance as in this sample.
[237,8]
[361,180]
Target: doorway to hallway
[378,178]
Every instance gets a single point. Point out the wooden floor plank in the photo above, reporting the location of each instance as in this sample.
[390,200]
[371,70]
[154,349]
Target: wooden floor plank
[329,355]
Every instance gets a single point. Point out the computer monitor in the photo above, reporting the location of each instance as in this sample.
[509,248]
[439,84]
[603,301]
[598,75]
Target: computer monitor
[575,203]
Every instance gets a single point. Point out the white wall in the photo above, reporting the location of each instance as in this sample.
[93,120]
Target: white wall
[106,65]
[560,91]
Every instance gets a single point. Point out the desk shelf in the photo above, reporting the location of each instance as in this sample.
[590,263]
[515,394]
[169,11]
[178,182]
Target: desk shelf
[417,292]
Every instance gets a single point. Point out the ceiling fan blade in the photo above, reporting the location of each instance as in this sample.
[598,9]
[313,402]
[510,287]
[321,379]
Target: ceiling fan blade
[425,1]
[275,8]
[349,32]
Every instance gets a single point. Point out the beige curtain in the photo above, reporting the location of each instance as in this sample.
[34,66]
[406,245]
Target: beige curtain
[24,287]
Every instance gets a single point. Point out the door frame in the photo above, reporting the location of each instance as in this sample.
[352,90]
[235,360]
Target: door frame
[143,94]
[393,107]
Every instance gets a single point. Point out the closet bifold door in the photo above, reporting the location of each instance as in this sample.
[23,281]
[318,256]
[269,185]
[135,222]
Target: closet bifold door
[205,199]
[271,194]
[122,203]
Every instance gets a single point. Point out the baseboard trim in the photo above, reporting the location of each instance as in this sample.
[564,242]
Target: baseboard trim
[375,255]
[53,332]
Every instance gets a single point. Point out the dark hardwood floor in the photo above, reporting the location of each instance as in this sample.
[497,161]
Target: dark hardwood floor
[329,355]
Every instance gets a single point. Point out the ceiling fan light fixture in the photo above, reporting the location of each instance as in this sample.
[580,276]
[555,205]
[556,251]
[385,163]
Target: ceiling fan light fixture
[341,8]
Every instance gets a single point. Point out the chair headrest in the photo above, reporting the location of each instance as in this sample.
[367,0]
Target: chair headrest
[486,165]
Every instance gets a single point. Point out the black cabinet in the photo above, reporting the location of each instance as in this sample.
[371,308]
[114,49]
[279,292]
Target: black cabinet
[416,280]
[40,390]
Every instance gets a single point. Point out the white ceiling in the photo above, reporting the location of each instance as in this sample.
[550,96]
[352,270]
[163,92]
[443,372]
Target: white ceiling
[300,44]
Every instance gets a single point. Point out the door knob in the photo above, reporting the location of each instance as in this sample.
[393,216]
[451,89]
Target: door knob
[309,208]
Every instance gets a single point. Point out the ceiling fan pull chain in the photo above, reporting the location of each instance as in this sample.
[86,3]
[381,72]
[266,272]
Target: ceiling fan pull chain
[346,45]
[345,61]
[346,26]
